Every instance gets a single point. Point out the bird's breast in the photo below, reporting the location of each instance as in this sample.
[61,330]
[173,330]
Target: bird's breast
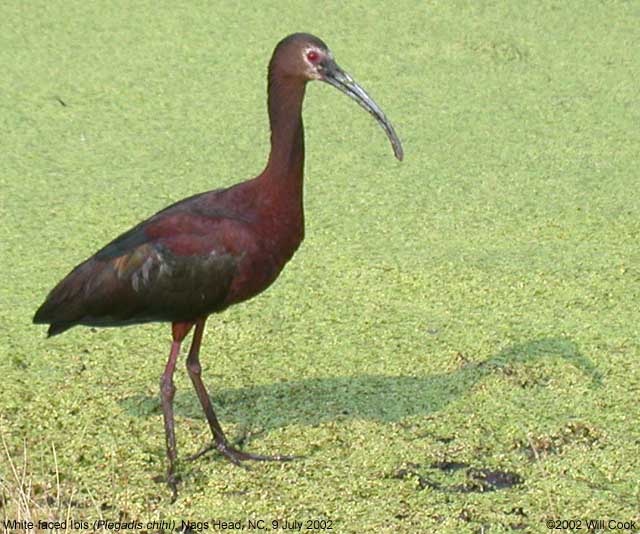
[263,260]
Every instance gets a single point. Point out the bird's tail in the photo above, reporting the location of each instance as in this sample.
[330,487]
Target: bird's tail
[63,307]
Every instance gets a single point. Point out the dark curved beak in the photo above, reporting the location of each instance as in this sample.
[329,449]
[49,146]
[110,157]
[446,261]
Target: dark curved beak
[334,75]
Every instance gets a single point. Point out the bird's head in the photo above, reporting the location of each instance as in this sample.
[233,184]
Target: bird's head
[305,57]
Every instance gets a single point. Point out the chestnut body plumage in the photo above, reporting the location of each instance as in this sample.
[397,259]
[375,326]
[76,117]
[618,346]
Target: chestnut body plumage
[212,250]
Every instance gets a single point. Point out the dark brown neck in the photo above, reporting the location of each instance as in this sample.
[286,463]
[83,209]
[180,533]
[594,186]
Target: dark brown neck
[286,160]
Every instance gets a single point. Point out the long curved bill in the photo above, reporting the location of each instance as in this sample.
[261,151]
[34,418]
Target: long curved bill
[335,76]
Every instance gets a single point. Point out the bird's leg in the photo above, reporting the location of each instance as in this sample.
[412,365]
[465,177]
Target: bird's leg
[167,392]
[220,440]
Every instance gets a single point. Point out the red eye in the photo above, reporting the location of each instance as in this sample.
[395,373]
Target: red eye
[313,56]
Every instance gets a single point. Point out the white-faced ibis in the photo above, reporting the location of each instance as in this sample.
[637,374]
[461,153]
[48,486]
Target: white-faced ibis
[212,250]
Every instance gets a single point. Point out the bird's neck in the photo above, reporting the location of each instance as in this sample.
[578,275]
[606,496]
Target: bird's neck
[286,160]
[280,184]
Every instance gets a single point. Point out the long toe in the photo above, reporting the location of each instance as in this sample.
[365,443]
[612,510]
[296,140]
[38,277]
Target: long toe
[236,456]
[202,452]
[173,486]
[172,481]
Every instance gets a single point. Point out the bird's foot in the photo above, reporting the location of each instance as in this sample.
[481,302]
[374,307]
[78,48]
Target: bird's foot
[173,486]
[237,456]
[172,481]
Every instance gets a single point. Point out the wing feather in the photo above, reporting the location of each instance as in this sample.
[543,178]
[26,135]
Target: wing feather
[170,268]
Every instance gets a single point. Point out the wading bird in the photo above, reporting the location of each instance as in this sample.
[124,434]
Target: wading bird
[212,250]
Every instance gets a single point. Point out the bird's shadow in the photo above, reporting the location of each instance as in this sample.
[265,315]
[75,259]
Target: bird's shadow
[384,398]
